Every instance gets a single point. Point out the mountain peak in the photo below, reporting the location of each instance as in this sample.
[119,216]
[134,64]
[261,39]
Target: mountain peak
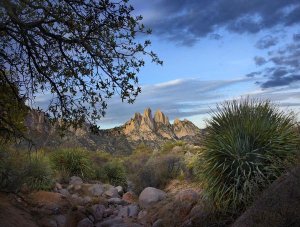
[160,118]
[147,113]
[158,127]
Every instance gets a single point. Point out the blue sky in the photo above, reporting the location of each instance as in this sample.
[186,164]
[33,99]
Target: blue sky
[215,50]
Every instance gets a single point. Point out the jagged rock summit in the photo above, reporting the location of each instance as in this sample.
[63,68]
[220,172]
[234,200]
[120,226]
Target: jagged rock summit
[151,130]
[146,127]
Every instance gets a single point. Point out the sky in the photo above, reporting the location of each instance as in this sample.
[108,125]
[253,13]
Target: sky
[215,50]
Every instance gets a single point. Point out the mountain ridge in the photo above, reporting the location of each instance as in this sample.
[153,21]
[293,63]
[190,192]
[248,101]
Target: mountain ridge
[152,131]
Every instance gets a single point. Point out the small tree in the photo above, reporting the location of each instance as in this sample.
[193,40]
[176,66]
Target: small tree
[80,52]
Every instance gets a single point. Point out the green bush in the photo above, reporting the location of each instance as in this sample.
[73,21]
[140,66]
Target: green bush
[70,162]
[17,168]
[11,169]
[246,147]
[157,172]
[115,173]
[38,173]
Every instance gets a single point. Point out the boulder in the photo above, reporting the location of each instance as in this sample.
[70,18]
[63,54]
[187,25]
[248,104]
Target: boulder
[129,197]
[108,212]
[130,211]
[58,186]
[60,220]
[117,201]
[110,222]
[188,195]
[158,223]
[133,211]
[64,192]
[120,190]
[74,180]
[123,213]
[85,223]
[98,212]
[150,196]
[278,205]
[112,193]
[96,190]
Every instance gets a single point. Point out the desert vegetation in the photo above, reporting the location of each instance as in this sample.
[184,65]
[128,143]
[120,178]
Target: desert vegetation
[249,144]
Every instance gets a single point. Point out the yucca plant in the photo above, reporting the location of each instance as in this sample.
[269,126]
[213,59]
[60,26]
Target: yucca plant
[72,161]
[38,173]
[247,146]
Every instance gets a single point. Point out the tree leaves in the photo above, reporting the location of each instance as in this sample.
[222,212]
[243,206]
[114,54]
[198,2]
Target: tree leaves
[81,51]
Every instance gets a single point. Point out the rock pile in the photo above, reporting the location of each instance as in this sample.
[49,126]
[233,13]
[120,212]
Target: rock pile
[85,204]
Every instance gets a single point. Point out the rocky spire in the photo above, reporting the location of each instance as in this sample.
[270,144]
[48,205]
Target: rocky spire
[159,117]
[147,123]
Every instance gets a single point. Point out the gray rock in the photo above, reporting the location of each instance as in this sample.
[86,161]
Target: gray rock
[150,196]
[110,222]
[120,190]
[187,195]
[64,192]
[142,214]
[58,186]
[85,223]
[98,212]
[74,180]
[86,200]
[76,200]
[108,212]
[130,211]
[123,213]
[117,201]
[133,211]
[158,223]
[96,190]
[128,225]
[60,220]
[112,193]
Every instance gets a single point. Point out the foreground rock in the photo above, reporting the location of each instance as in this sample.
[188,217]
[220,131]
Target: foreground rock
[11,216]
[150,196]
[278,206]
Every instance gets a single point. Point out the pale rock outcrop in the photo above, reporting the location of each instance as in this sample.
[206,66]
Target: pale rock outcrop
[133,124]
[149,196]
[160,118]
[74,180]
[185,128]
[147,124]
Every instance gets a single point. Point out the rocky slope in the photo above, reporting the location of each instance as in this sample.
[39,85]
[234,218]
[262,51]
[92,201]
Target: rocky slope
[143,128]
[84,204]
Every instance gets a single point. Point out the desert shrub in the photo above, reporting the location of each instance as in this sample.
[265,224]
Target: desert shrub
[11,169]
[168,146]
[38,174]
[17,168]
[246,147]
[114,171]
[157,172]
[69,162]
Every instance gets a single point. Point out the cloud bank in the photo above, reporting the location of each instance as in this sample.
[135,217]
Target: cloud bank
[186,21]
[187,98]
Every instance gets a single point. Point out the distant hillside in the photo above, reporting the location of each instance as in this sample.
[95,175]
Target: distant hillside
[142,128]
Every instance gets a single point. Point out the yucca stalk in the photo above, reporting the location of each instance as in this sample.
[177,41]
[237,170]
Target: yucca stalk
[247,146]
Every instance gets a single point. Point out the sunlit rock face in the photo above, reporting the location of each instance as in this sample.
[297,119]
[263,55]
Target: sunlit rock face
[184,128]
[145,128]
